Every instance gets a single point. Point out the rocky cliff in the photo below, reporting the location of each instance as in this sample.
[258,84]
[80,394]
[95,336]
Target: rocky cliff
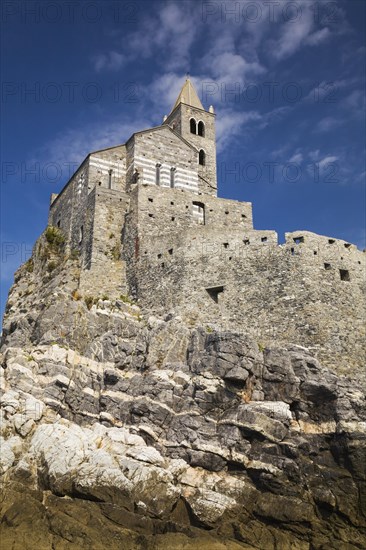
[126,431]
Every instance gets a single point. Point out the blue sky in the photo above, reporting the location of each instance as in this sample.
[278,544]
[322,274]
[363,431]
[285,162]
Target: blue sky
[286,79]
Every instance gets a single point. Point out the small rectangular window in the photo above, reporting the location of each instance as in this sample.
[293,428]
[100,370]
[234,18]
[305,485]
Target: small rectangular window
[331,241]
[198,210]
[214,292]
[344,274]
[264,239]
[327,266]
[347,245]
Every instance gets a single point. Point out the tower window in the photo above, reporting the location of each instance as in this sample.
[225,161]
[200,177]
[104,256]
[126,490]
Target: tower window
[202,158]
[172,176]
[201,129]
[199,212]
[193,126]
[110,172]
[157,177]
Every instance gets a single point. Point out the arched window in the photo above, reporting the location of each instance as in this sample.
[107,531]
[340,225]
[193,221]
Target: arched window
[193,126]
[202,158]
[199,212]
[172,176]
[157,178]
[201,129]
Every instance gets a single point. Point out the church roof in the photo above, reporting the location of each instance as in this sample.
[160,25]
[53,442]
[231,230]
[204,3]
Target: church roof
[188,95]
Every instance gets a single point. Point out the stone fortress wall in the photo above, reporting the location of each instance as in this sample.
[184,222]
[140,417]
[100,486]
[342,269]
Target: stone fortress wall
[173,246]
[309,291]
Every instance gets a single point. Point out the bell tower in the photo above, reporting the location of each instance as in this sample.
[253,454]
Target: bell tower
[197,126]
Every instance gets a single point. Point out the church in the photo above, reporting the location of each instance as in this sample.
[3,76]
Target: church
[145,221]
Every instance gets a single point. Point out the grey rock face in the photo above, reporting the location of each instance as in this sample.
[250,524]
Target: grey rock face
[165,433]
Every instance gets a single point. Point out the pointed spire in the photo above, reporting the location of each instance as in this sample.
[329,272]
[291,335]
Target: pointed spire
[188,95]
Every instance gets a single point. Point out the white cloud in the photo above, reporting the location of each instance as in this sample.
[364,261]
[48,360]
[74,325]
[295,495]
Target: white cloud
[297,158]
[318,36]
[355,101]
[292,34]
[167,36]
[301,30]
[111,61]
[328,123]
[232,68]
[326,161]
[230,124]
[74,145]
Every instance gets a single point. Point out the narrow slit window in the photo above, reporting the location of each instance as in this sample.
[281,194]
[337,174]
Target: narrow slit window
[199,212]
[81,234]
[110,172]
[157,176]
[172,177]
